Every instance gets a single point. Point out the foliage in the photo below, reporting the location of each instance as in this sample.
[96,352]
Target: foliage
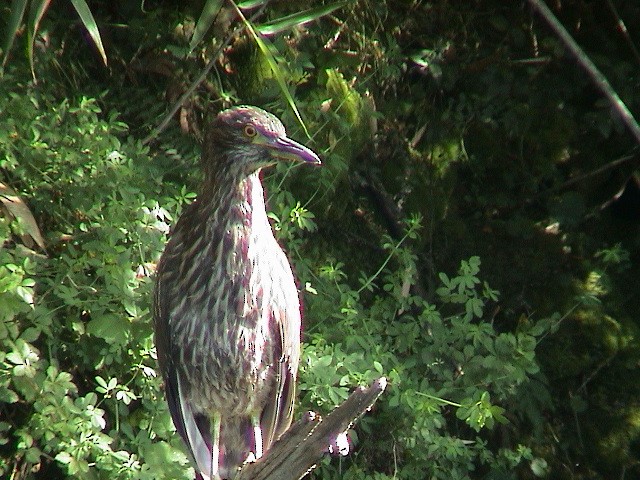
[80,354]
[37,10]
[449,372]
[78,380]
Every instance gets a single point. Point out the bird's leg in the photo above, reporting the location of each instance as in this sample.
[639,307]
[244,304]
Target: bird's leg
[257,434]
[215,446]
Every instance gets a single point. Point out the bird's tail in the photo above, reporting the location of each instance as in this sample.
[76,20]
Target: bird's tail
[236,441]
[236,445]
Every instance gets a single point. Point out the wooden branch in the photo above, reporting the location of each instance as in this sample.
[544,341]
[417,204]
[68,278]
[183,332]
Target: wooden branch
[585,62]
[300,448]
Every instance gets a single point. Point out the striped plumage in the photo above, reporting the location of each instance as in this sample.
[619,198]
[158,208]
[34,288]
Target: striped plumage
[226,308]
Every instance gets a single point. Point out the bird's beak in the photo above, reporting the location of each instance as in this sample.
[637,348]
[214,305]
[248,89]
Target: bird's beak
[286,149]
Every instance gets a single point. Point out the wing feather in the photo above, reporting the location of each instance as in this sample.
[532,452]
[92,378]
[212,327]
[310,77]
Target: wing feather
[278,413]
[194,429]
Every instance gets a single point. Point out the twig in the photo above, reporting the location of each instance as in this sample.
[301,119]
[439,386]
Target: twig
[183,98]
[310,438]
[577,421]
[201,78]
[622,28]
[596,75]
[595,372]
[608,166]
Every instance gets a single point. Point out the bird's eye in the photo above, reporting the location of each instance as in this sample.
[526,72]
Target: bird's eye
[250,131]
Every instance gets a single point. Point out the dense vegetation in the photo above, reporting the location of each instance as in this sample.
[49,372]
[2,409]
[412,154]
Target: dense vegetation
[473,234]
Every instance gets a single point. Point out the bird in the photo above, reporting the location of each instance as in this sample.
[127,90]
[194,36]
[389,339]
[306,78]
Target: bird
[226,310]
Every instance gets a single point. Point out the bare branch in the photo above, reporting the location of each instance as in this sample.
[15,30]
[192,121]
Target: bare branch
[596,75]
[310,438]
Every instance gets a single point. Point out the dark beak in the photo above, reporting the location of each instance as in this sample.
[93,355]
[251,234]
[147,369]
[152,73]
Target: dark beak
[286,149]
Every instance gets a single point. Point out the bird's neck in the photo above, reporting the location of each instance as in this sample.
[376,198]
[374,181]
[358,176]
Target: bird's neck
[241,207]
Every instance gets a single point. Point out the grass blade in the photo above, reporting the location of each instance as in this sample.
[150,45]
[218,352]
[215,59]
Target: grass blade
[251,4]
[90,24]
[273,64]
[300,18]
[36,12]
[18,8]
[207,17]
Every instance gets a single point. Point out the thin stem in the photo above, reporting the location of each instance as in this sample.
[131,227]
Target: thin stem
[387,260]
[585,62]
[438,399]
[201,78]
[622,28]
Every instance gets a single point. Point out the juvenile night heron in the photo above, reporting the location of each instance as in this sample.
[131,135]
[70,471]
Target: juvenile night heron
[226,308]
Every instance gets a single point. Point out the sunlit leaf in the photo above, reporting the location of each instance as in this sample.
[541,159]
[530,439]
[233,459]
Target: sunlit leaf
[8,396]
[300,18]
[112,328]
[251,4]
[207,17]
[64,457]
[90,24]
[539,467]
[18,8]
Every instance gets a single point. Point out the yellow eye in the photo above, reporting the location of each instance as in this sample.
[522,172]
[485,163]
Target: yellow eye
[250,131]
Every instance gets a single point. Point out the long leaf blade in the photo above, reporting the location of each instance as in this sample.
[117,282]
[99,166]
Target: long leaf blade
[207,17]
[90,24]
[18,8]
[36,12]
[273,64]
[299,18]
[279,78]
[251,4]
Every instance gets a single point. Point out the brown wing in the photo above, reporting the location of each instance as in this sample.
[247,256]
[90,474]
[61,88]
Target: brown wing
[193,428]
[278,412]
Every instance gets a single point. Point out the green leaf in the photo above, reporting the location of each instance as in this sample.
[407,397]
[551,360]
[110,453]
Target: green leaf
[273,64]
[473,306]
[324,361]
[64,457]
[102,382]
[15,358]
[300,18]
[24,370]
[378,366]
[251,4]
[30,334]
[26,294]
[8,396]
[112,328]
[36,12]
[207,17]
[90,24]
[539,467]
[18,8]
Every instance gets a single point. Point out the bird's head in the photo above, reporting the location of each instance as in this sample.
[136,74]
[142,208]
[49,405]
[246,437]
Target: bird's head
[244,139]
